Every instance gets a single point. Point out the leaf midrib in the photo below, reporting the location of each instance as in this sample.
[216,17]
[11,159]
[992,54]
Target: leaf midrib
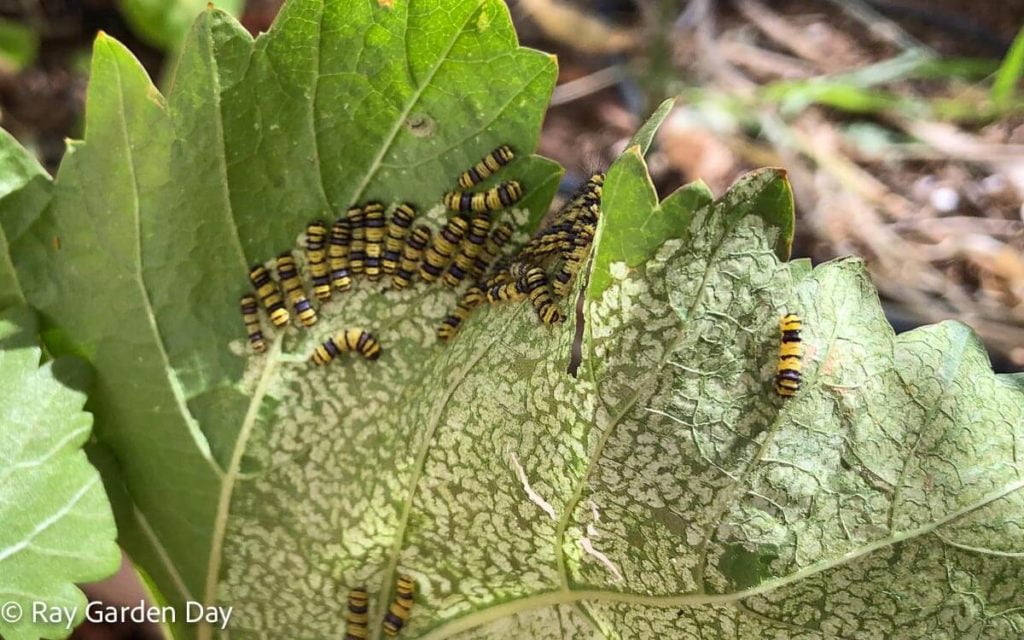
[390,573]
[414,99]
[173,383]
[631,401]
[9,264]
[222,163]
[228,483]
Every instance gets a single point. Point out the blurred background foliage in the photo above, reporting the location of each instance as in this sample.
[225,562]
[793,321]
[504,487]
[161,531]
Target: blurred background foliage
[901,123]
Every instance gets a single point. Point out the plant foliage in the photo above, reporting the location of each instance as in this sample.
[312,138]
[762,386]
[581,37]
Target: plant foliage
[165,23]
[653,486]
[57,525]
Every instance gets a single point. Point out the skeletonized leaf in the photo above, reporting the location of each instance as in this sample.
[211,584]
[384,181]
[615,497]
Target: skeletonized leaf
[661,490]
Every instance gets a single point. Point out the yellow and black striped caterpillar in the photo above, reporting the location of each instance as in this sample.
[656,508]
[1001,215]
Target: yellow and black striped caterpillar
[535,285]
[586,196]
[269,294]
[554,239]
[292,285]
[401,607]
[357,240]
[498,273]
[504,195]
[346,340]
[440,251]
[337,255]
[573,261]
[398,227]
[506,291]
[473,246]
[787,375]
[488,166]
[357,617]
[470,300]
[373,223]
[582,215]
[411,254]
[316,258]
[584,206]
[495,243]
[251,319]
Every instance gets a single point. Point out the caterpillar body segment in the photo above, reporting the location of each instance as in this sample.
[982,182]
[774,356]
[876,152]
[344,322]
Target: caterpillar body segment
[398,228]
[251,320]
[788,370]
[488,166]
[269,294]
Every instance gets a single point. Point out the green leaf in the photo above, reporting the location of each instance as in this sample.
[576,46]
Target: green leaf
[662,490]
[24,191]
[19,45]
[635,224]
[58,528]
[1007,80]
[645,134]
[164,23]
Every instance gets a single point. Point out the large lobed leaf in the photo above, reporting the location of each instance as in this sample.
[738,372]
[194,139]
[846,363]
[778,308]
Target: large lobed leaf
[57,525]
[661,491]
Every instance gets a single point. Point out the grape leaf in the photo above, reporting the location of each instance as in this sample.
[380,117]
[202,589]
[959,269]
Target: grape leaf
[57,525]
[164,23]
[661,491]
[24,192]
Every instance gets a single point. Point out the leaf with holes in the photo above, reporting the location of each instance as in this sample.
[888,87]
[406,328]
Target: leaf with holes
[57,525]
[628,473]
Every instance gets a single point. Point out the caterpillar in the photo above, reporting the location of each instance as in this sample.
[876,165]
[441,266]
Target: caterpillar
[589,193]
[470,300]
[495,243]
[398,228]
[518,269]
[357,242]
[292,285]
[401,607]
[269,294]
[488,166]
[571,265]
[535,285]
[251,319]
[554,239]
[337,255]
[470,249]
[316,258]
[787,376]
[504,195]
[508,291]
[583,206]
[373,223]
[346,340]
[356,617]
[582,215]
[440,251]
[411,254]
[498,273]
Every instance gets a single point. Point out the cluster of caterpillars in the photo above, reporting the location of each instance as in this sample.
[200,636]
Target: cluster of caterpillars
[357,618]
[563,245]
[367,242]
